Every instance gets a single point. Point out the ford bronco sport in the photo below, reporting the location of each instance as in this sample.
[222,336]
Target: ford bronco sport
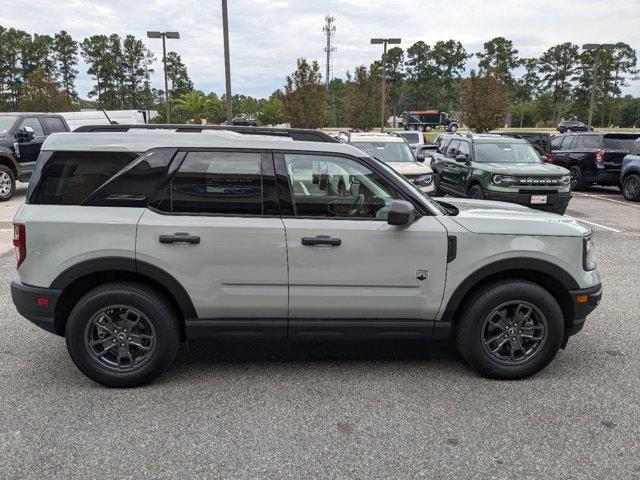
[131,242]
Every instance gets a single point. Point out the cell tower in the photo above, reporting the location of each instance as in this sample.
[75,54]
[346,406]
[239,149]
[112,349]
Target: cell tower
[329,29]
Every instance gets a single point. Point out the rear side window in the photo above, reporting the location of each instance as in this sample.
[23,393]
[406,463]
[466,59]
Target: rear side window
[54,124]
[589,141]
[569,142]
[216,183]
[68,178]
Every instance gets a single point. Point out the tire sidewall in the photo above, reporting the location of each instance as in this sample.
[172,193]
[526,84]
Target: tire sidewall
[631,198]
[470,324]
[152,306]
[12,177]
[475,188]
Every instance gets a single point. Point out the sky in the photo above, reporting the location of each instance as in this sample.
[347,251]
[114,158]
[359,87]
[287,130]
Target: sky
[267,36]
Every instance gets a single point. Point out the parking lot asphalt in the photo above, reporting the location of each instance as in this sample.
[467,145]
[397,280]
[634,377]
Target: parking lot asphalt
[340,410]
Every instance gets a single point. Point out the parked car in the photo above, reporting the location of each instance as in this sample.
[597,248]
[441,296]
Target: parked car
[573,126]
[21,136]
[540,141]
[425,120]
[630,173]
[395,152]
[106,117]
[416,140]
[190,236]
[592,158]
[493,167]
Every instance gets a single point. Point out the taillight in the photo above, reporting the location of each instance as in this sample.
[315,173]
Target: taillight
[600,156]
[549,157]
[20,242]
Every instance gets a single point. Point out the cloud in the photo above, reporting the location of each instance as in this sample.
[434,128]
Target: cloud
[267,36]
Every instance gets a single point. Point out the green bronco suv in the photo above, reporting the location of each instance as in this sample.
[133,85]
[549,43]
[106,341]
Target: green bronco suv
[497,168]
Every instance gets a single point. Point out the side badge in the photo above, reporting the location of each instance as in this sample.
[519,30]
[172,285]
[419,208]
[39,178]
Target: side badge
[422,274]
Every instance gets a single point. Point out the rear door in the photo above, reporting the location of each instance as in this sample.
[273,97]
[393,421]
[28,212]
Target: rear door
[345,260]
[214,226]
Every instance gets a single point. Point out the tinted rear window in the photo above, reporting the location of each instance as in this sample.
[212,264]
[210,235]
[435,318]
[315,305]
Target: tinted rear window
[68,178]
[619,143]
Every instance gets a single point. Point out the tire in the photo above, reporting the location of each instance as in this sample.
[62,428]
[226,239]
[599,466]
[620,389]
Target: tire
[631,188]
[577,180]
[420,128]
[412,127]
[453,128]
[7,183]
[156,332]
[476,192]
[544,323]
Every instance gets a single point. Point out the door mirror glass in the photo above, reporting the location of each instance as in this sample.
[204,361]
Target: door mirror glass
[401,212]
[462,159]
[25,134]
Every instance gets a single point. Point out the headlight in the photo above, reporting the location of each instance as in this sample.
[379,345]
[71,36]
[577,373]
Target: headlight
[564,181]
[505,180]
[423,180]
[587,254]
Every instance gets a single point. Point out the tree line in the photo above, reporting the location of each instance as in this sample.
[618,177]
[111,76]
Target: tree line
[39,72]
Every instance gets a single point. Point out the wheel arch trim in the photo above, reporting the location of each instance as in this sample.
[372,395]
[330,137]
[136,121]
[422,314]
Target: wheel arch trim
[504,267]
[107,264]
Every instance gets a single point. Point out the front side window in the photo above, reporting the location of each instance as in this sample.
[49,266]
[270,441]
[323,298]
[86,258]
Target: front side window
[33,123]
[388,152]
[336,187]
[464,149]
[452,149]
[216,183]
[506,153]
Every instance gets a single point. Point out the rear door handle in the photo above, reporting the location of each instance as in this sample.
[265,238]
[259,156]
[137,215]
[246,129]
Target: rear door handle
[321,240]
[180,238]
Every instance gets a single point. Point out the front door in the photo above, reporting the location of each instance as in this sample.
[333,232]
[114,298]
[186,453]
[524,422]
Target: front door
[216,230]
[29,151]
[345,260]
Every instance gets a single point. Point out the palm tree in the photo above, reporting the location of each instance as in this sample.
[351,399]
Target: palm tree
[194,104]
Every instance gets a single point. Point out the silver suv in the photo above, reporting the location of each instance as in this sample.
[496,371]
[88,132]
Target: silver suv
[132,241]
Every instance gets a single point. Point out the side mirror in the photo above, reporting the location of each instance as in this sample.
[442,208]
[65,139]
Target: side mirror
[25,134]
[401,212]
[462,159]
[420,157]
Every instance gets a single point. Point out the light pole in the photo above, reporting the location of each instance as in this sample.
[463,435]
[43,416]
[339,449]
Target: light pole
[598,47]
[227,62]
[164,36]
[384,41]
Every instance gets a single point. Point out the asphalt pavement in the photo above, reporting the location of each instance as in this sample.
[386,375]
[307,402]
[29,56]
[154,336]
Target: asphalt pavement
[340,410]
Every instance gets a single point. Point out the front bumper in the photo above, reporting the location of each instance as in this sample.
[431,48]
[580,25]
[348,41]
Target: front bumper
[555,201]
[584,302]
[36,304]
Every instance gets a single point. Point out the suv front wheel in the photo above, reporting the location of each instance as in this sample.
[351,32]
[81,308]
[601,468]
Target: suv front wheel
[510,329]
[122,334]
[7,183]
[631,188]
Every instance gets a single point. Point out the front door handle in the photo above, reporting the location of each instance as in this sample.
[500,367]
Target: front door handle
[321,240]
[180,238]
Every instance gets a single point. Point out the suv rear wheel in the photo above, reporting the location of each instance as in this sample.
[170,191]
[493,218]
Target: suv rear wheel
[510,329]
[631,188]
[7,183]
[122,334]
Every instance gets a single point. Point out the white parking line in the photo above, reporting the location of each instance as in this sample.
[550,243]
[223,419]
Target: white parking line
[594,224]
[600,197]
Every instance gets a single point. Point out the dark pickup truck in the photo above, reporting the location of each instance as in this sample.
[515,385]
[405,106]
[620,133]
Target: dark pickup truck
[21,137]
[592,158]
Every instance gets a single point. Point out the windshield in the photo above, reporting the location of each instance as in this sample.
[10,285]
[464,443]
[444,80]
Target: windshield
[6,122]
[506,153]
[411,137]
[388,152]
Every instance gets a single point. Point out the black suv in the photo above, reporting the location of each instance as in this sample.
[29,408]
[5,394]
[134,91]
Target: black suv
[592,157]
[573,126]
[21,137]
[540,141]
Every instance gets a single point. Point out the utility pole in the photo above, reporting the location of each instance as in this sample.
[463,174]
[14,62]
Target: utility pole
[598,47]
[329,29]
[164,36]
[227,63]
[384,41]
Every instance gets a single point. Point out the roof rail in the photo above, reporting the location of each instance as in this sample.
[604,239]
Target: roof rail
[297,134]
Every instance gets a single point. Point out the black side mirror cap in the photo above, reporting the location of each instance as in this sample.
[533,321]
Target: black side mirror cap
[25,134]
[420,157]
[401,212]
[462,158]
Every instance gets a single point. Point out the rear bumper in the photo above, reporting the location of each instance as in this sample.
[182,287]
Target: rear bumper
[608,177]
[555,201]
[584,302]
[36,304]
